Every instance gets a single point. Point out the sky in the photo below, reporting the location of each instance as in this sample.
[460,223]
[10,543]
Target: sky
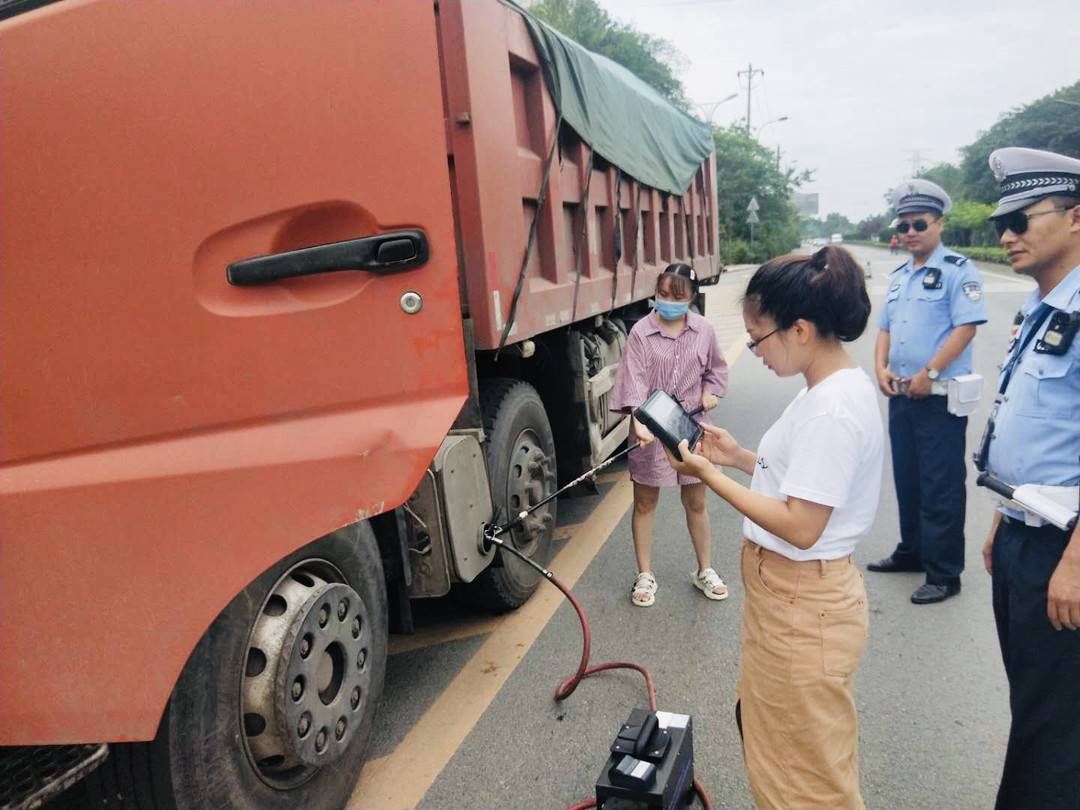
[870,88]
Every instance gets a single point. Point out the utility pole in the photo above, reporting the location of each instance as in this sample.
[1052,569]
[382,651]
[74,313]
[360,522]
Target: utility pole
[749,73]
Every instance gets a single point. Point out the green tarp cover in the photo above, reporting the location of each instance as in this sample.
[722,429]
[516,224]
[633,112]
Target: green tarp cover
[623,119]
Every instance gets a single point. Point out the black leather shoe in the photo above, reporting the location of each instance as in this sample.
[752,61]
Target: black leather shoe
[929,593]
[890,565]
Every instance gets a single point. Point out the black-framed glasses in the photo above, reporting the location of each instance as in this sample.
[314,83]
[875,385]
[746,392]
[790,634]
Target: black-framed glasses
[753,344]
[919,225]
[1017,221]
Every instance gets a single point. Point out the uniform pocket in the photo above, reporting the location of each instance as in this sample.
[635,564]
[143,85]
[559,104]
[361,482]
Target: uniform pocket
[1053,397]
[843,638]
[932,296]
[934,306]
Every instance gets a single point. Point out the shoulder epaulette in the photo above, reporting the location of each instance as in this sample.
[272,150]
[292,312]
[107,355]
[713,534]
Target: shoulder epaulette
[901,267]
[956,258]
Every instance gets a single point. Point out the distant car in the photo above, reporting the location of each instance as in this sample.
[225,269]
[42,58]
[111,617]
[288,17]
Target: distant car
[837,238]
[820,241]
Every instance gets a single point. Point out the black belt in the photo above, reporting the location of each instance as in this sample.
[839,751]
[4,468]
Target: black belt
[1048,528]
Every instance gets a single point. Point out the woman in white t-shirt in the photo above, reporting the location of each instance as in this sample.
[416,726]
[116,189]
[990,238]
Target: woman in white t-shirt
[816,480]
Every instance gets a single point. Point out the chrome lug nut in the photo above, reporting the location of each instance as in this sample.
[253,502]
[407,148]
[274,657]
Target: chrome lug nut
[297,689]
[339,729]
[324,616]
[320,740]
[356,627]
[342,609]
[304,726]
[305,647]
[361,659]
[354,699]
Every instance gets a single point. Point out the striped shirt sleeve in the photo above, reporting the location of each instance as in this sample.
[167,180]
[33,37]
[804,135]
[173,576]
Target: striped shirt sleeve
[714,380]
[631,380]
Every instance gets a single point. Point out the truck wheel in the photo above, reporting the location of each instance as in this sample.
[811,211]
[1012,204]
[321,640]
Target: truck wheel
[521,467]
[275,706]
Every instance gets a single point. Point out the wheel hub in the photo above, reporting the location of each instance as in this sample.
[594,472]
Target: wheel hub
[307,678]
[529,481]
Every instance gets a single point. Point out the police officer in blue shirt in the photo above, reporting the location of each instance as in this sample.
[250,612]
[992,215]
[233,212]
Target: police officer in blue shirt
[934,303]
[1033,438]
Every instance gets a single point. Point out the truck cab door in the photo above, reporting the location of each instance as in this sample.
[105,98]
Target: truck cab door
[170,427]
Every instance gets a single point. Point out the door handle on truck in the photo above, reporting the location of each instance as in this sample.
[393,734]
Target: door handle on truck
[386,253]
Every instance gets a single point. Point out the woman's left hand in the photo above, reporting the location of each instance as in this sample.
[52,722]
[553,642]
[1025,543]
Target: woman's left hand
[709,401]
[691,464]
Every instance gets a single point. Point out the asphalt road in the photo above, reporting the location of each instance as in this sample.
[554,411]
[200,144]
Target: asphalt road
[469,719]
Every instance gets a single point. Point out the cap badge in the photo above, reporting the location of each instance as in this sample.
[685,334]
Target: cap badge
[999,169]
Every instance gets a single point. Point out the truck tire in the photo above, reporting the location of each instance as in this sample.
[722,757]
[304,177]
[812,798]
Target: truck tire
[213,747]
[520,452]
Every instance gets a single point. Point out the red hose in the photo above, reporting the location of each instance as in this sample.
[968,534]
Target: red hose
[567,687]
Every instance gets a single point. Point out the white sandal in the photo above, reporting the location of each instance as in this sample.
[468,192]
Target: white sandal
[710,584]
[644,583]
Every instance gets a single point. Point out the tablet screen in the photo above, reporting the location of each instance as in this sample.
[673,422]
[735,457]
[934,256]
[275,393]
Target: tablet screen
[667,421]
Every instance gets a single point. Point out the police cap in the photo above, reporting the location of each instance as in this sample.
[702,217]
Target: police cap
[918,195]
[1028,175]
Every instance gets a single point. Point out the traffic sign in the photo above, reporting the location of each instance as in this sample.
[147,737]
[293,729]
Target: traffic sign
[752,217]
[753,206]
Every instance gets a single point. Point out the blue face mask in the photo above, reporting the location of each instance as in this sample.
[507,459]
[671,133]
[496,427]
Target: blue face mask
[671,310]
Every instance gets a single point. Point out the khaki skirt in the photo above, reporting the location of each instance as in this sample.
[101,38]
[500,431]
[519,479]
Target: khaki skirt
[804,630]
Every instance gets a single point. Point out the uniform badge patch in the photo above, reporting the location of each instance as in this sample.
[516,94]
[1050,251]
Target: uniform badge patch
[972,290]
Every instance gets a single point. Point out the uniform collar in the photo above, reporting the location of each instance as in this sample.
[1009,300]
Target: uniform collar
[935,259]
[1061,297]
[652,323]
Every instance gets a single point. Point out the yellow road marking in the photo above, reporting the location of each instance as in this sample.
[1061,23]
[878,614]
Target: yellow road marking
[567,532]
[399,780]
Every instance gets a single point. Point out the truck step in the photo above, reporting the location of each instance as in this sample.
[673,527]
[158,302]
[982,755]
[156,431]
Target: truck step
[31,775]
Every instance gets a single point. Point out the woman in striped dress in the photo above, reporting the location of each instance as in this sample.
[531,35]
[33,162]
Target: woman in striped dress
[675,350]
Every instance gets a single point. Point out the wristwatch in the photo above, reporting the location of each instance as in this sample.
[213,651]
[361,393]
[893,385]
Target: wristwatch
[932,373]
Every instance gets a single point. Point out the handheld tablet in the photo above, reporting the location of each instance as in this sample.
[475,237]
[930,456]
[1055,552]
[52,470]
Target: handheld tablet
[668,422]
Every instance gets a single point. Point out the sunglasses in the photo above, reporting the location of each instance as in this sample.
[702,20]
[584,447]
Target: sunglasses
[919,225]
[1017,221]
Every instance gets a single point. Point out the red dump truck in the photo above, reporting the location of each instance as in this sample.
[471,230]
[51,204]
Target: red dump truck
[294,297]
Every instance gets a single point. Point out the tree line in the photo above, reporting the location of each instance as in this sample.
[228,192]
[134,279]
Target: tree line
[1051,122]
[744,167]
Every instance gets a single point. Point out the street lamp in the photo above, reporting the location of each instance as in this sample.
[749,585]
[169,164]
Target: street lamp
[708,108]
[757,130]
[773,121]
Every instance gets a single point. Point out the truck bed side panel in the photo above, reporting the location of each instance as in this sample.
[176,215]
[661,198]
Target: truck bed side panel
[500,122]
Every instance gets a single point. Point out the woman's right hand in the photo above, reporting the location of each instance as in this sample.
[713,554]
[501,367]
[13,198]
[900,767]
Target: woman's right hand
[719,446]
[640,432]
